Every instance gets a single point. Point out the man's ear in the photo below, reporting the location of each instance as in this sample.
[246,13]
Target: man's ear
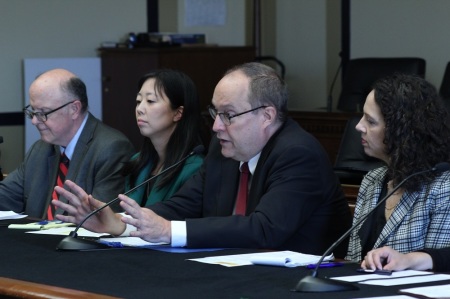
[178,114]
[270,115]
[76,108]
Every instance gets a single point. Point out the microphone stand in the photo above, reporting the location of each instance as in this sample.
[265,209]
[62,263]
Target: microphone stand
[312,283]
[330,94]
[72,242]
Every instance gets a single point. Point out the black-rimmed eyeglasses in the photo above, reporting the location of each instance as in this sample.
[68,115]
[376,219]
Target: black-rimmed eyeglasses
[41,116]
[225,116]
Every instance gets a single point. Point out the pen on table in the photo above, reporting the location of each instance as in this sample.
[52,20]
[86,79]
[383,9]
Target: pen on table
[111,244]
[45,222]
[325,265]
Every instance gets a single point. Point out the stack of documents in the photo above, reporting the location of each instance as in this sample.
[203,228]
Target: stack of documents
[397,278]
[274,258]
[5,215]
[40,225]
[66,230]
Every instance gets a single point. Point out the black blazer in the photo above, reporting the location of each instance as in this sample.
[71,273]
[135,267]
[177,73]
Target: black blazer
[295,201]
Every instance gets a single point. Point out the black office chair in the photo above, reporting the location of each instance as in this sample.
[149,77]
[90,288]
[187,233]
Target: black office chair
[352,163]
[361,73]
[444,90]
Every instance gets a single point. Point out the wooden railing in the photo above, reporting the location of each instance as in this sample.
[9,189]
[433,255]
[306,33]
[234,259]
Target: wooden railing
[13,288]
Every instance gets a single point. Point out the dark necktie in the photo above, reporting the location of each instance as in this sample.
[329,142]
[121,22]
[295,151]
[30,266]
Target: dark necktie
[241,200]
[60,178]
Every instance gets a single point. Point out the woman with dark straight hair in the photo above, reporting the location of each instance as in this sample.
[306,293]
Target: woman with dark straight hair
[168,116]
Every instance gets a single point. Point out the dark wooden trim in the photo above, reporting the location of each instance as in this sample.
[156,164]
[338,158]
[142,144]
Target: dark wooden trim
[12,119]
[14,288]
[345,34]
[327,127]
[152,16]
[351,194]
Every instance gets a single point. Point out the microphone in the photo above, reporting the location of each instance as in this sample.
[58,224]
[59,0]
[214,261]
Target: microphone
[72,242]
[312,283]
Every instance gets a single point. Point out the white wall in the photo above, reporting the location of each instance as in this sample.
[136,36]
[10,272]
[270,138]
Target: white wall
[232,33]
[53,29]
[304,34]
[416,28]
[301,43]
[295,31]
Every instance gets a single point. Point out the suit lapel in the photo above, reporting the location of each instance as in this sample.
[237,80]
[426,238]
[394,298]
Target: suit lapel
[258,178]
[230,183]
[81,148]
[52,171]
[78,154]
[398,216]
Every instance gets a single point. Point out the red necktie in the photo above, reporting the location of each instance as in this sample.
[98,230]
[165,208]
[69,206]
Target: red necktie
[60,178]
[241,201]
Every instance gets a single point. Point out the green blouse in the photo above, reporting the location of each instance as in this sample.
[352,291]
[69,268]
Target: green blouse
[191,165]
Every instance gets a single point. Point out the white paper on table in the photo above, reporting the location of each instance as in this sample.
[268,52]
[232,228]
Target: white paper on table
[276,258]
[397,278]
[288,259]
[5,215]
[65,231]
[388,297]
[408,280]
[441,291]
[396,274]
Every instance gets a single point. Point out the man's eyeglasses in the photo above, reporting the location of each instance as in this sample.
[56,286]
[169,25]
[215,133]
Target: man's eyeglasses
[41,116]
[225,116]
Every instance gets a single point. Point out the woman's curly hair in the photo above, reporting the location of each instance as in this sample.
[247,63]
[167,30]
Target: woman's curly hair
[417,131]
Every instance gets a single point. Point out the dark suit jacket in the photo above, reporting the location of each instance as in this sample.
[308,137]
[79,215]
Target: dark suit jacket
[295,201]
[96,162]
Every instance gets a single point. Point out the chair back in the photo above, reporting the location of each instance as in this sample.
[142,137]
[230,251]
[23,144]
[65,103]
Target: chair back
[361,73]
[352,163]
[444,90]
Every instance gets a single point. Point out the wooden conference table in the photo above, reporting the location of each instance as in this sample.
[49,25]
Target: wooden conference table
[30,267]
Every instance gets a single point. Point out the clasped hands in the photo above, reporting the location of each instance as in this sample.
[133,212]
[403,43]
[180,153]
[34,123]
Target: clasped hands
[149,226]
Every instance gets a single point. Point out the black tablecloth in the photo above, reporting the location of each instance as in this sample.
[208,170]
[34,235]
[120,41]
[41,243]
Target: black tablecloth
[145,273]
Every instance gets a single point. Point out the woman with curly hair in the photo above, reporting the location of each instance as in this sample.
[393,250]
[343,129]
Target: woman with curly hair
[406,125]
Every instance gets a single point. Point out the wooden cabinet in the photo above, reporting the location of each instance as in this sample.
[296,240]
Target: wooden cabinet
[327,127]
[122,68]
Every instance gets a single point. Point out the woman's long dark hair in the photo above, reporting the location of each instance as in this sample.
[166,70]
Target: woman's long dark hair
[417,133]
[181,91]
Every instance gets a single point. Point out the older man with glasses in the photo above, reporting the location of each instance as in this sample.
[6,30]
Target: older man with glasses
[265,183]
[74,145]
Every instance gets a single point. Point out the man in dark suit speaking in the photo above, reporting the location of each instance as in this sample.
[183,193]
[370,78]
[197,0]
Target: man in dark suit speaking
[294,200]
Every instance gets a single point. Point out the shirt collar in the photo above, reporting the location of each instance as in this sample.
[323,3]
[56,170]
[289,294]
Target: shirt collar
[252,163]
[71,146]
